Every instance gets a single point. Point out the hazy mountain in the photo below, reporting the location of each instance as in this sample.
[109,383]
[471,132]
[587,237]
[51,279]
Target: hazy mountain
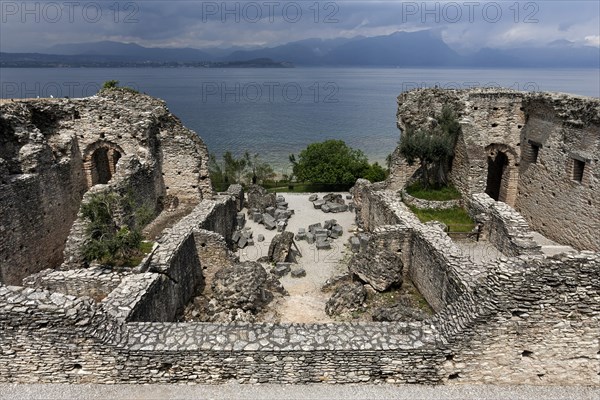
[558,54]
[130,52]
[402,49]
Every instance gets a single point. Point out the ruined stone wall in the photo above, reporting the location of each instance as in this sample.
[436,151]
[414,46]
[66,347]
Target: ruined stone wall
[505,228]
[48,160]
[565,130]
[132,181]
[528,323]
[550,144]
[95,282]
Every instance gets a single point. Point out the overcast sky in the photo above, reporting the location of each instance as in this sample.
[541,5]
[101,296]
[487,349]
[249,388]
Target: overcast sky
[464,25]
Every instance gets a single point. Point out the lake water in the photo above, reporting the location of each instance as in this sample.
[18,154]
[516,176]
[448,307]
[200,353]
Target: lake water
[275,112]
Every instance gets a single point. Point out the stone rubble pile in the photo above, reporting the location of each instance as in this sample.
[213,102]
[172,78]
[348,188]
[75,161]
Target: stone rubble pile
[346,298]
[332,203]
[321,234]
[269,210]
[241,291]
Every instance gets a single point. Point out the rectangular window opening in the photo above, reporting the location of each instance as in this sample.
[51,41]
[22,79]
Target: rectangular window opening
[578,167]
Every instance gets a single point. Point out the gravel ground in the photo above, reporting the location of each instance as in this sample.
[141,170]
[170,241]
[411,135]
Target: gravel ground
[306,302]
[282,392]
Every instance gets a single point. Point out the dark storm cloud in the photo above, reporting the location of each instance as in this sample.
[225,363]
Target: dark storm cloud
[31,25]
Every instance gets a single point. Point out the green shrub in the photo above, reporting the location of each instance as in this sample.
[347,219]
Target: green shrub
[108,241]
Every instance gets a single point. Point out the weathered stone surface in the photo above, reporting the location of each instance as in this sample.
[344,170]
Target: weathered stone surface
[280,247]
[347,297]
[260,237]
[282,268]
[243,286]
[313,197]
[382,269]
[298,273]
[260,199]
[318,203]
[398,312]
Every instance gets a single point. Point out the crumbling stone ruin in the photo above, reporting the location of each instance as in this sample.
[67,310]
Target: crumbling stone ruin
[520,317]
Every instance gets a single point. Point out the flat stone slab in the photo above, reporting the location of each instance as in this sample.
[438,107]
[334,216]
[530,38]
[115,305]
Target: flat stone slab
[298,273]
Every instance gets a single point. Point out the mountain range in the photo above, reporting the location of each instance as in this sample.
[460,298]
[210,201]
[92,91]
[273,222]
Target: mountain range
[400,49]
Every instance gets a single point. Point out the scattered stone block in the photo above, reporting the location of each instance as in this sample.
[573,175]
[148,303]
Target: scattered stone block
[354,244]
[282,268]
[260,237]
[329,223]
[242,242]
[313,197]
[348,197]
[318,204]
[269,222]
[298,273]
[236,236]
[323,245]
[325,208]
[258,218]
[311,228]
[270,211]
[310,238]
[281,226]
[250,242]
[280,247]
[337,230]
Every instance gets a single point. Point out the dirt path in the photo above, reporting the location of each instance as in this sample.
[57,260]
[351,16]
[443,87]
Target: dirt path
[306,301]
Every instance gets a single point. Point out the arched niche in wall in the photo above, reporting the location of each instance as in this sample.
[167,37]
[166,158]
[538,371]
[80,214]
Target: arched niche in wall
[100,162]
[503,173]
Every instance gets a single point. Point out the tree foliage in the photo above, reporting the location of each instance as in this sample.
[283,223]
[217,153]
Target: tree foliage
[331,162]
[432,149]
[245,169]
[113,228]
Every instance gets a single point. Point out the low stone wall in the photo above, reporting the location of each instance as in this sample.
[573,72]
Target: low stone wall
[430,204]
[95,282]
[175,271]
[528,322]
[504,227]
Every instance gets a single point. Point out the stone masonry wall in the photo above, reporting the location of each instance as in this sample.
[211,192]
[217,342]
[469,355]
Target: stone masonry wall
[565,130]
[95,282]
[505,228]
[546,138]
[47,149]
[535,322]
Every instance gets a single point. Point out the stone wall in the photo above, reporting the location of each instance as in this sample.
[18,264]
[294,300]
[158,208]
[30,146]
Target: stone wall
[430,204]
[520,320]
[534,322]
[564,130]
[94,282]
[542,149]
[505,228]
[51,151]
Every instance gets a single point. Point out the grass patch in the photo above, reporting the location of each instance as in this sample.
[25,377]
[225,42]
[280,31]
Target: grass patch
[444,193]
[455,218]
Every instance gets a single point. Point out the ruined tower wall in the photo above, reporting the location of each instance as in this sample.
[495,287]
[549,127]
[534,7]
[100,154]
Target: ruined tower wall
[555,203]
[550,144]
[51,152]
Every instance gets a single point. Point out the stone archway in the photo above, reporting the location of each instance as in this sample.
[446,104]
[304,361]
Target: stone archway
[502,176]
[100,162]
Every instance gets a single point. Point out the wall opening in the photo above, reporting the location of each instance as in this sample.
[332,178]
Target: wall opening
[531,152]
[578,168]
[100,162]
[496,169]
